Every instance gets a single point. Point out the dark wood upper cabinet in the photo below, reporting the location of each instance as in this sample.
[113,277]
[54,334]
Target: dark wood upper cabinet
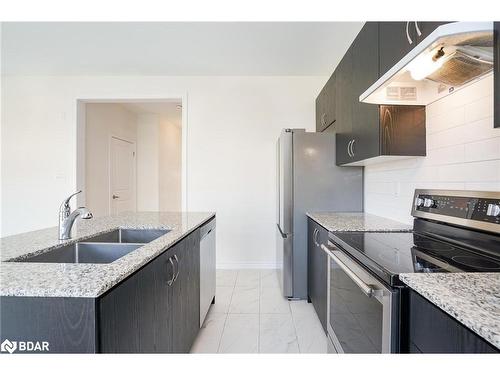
[496,75]
[427,27]
[325,105]
[402,130]
[393,43]
[343,103]
[365,117]
[396,39]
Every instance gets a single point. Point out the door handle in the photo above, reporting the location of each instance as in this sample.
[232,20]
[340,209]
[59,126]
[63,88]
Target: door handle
[178,268]
[172,279]
[116,196]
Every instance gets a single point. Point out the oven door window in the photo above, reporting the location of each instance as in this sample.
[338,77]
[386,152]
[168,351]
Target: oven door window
[355,318]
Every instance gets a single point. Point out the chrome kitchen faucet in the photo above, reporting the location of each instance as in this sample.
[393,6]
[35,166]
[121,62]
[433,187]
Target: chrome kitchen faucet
[67,218]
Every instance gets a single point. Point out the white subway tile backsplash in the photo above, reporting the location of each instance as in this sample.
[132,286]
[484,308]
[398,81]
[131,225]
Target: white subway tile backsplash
[473,172]
[449,118]
[479,109]
[488,149]
[446,155]
[470,132]
[483,186]
[463,152]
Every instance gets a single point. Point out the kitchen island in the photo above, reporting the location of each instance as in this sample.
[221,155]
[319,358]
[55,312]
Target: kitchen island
[145,301]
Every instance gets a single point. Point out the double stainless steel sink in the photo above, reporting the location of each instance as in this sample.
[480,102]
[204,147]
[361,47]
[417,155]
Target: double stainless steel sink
[103,248]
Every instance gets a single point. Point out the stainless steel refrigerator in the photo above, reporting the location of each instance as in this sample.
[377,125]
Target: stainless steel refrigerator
[308,180]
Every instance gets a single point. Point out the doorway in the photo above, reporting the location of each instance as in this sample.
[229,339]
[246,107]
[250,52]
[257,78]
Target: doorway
[123,180]
[131,156]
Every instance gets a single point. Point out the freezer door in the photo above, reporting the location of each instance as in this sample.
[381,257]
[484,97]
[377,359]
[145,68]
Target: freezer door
[285,182]
[284,246]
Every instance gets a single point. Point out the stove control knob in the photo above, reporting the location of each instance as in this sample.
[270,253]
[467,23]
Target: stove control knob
[419,202]
[429,202]
[493,210]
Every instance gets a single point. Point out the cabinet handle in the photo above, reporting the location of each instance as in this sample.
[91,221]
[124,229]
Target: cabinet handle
[176,261]
[323,119]
[206,234]
[315,237]
[408,33]
[172,279]
[349,148]
[352,147]
[419,33]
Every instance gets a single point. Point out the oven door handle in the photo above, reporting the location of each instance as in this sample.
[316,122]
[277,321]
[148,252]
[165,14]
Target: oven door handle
[367,289]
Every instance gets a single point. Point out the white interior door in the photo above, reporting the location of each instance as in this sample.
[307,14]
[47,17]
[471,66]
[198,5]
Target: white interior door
[122,176]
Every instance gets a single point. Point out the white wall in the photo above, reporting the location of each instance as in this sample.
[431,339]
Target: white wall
[103,120]
[148,135]
[1,120]
[170,163]
[463,152]
[233,124]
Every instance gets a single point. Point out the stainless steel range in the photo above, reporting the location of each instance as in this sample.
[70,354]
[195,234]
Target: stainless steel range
[453,231]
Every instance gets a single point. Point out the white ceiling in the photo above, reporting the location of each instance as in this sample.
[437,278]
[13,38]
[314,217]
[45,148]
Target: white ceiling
[166,48]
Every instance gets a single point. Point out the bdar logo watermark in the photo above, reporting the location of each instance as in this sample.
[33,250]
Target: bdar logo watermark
[24,346]
[8,346]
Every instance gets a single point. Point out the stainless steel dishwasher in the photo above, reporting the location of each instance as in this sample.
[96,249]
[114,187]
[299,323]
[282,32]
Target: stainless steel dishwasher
[207,268]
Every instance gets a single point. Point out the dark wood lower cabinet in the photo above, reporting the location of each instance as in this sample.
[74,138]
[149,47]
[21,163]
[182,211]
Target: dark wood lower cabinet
[136,315]
[431,330]
[142,314]
[317,270]
[145,314]
[67,324]
[185,311]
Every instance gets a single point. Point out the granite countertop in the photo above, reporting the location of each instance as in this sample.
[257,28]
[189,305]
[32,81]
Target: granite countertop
[471,298]
[357,222]
[86,280]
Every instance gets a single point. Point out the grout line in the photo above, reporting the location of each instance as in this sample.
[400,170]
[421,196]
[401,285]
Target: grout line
[295,327]
[227,315]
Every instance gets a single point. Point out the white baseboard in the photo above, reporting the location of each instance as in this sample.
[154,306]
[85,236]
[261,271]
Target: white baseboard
[233,266]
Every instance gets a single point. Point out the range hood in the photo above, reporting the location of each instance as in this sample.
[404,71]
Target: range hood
[451,57]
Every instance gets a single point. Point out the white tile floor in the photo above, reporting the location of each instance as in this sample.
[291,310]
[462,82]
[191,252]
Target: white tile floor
[251,316]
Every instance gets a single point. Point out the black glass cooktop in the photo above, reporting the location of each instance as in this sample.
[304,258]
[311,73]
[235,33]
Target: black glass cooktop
[389,254]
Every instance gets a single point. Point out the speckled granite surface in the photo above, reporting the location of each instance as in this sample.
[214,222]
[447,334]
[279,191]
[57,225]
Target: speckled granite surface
[86,280]
[357,222]
[471,298]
